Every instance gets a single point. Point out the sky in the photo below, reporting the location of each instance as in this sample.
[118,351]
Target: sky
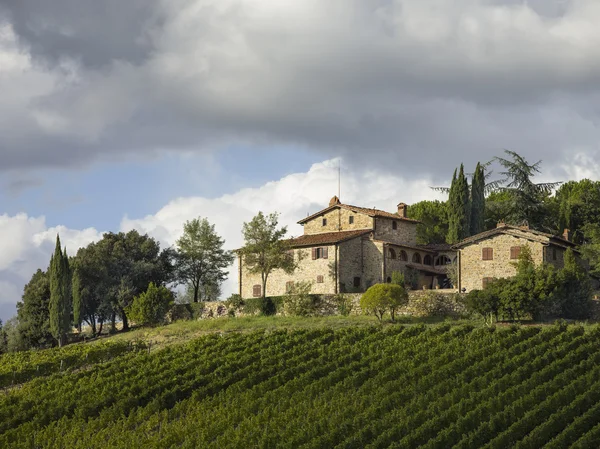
[147,113]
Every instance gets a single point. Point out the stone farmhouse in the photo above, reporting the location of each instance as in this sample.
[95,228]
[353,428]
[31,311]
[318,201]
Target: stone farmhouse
[347,248]
[491,254]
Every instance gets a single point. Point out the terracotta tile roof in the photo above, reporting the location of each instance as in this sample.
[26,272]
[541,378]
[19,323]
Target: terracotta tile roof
[326,238]
[515,230]
[360,210]
[427,268]
[437,246]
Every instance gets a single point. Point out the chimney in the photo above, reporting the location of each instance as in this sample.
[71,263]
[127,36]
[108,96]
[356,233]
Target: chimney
[335,200]
[402,209]
[567,235]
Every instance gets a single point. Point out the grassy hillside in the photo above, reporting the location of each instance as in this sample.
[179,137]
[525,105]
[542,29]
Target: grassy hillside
[436,386]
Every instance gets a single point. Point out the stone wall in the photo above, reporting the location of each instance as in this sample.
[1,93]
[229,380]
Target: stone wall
[421,303]
[473,269]
[307,271]
[405,234]
[549,256]
[338,220]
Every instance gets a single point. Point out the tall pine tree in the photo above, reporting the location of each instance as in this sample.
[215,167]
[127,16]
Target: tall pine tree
[477,201]
[60,294]
[458,207]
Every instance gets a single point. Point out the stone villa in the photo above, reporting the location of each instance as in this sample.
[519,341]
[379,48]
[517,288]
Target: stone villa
[348,248]
[488,255]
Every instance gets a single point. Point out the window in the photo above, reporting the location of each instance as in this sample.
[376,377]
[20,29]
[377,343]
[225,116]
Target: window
[403,256]
[442,260]
[256,291]
[357,281]
[289,286]
[389,280]
[514,252]
[320,253]
[324,221]
[351,219]
[553,253]
[486,281]
[394,225]
[392,253]
[290,253]
[427,260]
[320,279]
[487,254]
[416,258]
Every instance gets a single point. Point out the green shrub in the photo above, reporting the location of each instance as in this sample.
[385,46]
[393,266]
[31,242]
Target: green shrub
[151,306]
[299,301]
[343,304]
[263,306]
[180,312]
[381,298]
[234,303]
[197,309]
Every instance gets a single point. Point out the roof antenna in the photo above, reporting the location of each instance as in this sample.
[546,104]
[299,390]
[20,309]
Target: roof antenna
[340,179]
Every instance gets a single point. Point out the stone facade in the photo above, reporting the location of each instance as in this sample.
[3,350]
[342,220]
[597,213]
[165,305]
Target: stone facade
[309,270]
[474,269]
[404,234]
[358,242]
[338,220]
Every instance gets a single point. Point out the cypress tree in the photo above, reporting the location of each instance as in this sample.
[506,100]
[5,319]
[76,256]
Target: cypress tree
[463,204]
[76,294]
[478,201]
[452,226]
[60,311]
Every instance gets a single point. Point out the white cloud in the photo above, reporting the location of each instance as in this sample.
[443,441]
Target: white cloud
[26,244]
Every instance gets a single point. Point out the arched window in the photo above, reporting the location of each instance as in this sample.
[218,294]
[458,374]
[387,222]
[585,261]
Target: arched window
[416,258]
[389,280]
[392,253]
[427,260]
[442,260]
[403,256]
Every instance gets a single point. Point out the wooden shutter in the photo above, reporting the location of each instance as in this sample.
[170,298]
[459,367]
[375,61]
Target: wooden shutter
[515,251]
[319,279]
[324,252]
[314,253]
[487,254]
[256,291]
[289,286]
[486,281]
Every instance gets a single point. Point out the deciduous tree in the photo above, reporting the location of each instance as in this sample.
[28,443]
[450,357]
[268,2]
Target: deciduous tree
[264,248]
[202,261]
[33,312]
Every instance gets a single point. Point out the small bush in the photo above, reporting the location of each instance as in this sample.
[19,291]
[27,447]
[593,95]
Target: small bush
[151,306]
[180,312]
[381,298]
[300,302]
[263,306]
[234,303]
[197,309]
[343,304]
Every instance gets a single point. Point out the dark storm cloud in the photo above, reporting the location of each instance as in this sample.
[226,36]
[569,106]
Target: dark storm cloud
[419,84]
[93,32]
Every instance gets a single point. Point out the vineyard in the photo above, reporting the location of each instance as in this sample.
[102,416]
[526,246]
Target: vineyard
[358,387]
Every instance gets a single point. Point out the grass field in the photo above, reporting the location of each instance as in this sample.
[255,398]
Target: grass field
[330,382]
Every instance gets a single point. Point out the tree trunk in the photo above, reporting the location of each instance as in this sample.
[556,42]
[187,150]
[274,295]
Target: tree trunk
[125,321]
[113,322]
[196,291]
[101,323]
[264,287]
